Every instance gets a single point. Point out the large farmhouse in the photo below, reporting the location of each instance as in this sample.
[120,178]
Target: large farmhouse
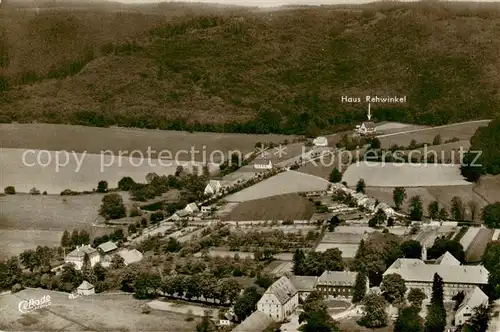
[456,278]
[280,300]
[77,256]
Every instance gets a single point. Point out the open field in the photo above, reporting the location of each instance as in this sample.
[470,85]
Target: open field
[404,175]
[27,221]
[96,140]
[489,188]
[395,127]
[475,251]
[25,172]
[284,183]
[282,207]
[337,237]
[97,313]
[469,236]
[52,212]
[463,131]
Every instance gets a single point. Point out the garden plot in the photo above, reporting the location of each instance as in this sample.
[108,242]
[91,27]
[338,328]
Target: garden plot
[348,250]
[185,309]
[426,237]
[354,229]
[283,183]
[284,229]
[337,237]
[280,268]
[404,175]
[469,237]
[475,251]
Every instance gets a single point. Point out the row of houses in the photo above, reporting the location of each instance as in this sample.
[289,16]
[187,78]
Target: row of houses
[363,200]
[102,254]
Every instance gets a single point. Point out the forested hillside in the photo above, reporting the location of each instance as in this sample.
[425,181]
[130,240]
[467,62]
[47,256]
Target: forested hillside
[248,71]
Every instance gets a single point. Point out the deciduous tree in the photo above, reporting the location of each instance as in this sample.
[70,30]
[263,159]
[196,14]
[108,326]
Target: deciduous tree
[112,207]
[433,210]
[394,288]
[375,314]
[416,211]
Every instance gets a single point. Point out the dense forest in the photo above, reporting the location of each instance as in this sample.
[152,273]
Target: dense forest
[247,71]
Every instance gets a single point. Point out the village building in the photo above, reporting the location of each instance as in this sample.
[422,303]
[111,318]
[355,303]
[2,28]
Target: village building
[337,284]
[366,128]
[304,285]
[107,248]
[179,215]
[86,288]
[130,256]
[213,188]
[77,256]
[280,300]
[446,259]
[472,300]
[456,278]
[208,208]
[191,208]
[263,164]
[320,141]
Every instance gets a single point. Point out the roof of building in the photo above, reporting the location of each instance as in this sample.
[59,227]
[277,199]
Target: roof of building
[107,246]
[256,322]
[283,289]
[130,256]
[321,141]
[474,299]
[416,270]
[80,252]
[447,259]
[182,213]
[192,206]
[304,283]
[85,285]
[337,278]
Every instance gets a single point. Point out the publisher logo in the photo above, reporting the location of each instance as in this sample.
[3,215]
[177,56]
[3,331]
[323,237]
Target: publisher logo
[32,304]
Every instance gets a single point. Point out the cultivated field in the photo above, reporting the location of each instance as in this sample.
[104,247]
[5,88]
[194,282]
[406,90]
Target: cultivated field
[489,188]
[95,140]
[462,131]
[476,249]
[282,207]
[404,175]
[82,175]
[468,237]
[95,313]
[283,183]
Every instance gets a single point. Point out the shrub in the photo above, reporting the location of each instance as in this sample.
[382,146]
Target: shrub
[10,190]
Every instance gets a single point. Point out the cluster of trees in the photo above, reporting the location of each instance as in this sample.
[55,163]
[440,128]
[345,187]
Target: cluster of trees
[315,263]
[378,219]
[315,315]
[376,254]
[458,209]
[442,244]
[112,207]
[484,153]
[246,303]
